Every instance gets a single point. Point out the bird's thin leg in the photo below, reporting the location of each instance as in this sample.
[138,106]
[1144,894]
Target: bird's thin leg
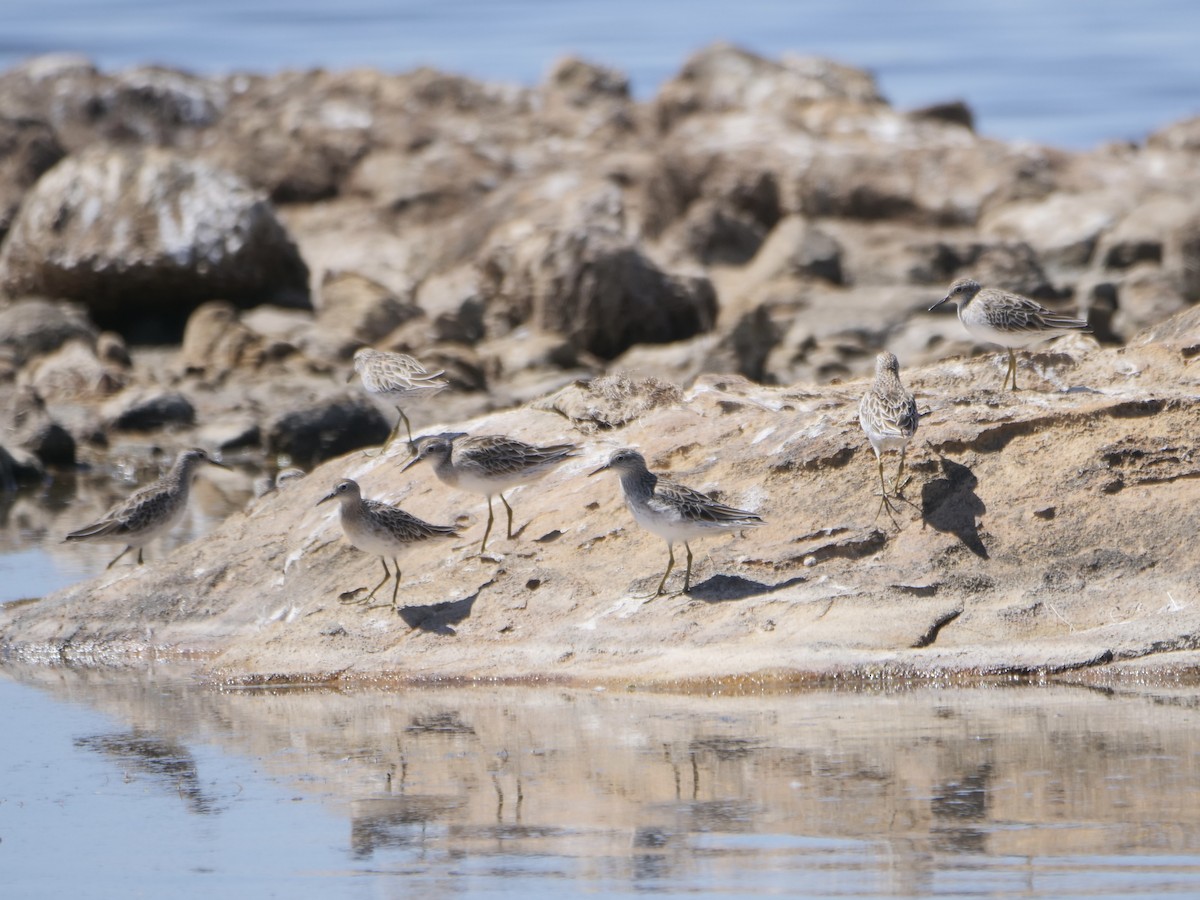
[386,575]
[1012,368]
[119,555]
[884,502]
[687,576]
[899,474]
[509,508]
[488,530]
[670,565]
[396,589]
[140,555]
[407,426]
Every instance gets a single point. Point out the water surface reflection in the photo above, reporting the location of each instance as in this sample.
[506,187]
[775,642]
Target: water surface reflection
[1042,791]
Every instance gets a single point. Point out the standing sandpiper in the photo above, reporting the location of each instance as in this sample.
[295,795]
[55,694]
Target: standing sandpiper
[380,528]
[489,464]
[400,377]
[672,511]
[1010,320]
[888,414]
[150,511]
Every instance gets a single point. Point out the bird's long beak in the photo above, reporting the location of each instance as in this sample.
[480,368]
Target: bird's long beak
[328,496]
[412,462]
[219,464]
[350,377]
[603,468]
[939,303]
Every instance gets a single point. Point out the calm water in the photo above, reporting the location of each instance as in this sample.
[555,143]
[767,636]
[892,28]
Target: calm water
[144,785]
[1057,71]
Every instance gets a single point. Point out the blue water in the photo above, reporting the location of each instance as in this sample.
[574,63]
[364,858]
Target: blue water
[123,784]
[1061,72]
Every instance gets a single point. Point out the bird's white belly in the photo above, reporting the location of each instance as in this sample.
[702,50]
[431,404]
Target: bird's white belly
[369,540]
[982,331]
[670,526]
[481,484]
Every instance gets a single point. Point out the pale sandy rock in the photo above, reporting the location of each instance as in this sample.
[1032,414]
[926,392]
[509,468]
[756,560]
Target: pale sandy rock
[27,149]
[586,280]
[31,426]
[1145,295]
[355,311]
[75,372]
[1064,227]
[723,77]
[216,344]
[1040,534]
[33,326]
[137,231]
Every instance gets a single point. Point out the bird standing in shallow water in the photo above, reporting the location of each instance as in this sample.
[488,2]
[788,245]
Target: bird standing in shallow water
[1010,320]
[150,511]
[888,414]
[380,528]
[672,511]
[400,377]
[489,464]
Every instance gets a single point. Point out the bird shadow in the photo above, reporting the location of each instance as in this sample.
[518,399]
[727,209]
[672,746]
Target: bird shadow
[950,504]
[440,618]
[722,588]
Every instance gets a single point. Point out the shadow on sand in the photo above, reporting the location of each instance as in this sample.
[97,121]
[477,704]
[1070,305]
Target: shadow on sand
[950,504]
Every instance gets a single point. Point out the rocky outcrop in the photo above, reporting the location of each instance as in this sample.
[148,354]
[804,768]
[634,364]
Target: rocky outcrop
[1040,533]
[137,233]
[706,275]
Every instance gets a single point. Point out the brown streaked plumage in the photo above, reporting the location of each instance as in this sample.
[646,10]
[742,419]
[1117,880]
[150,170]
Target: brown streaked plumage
[380,528]
[1010,320]
[489,464]
[149,511]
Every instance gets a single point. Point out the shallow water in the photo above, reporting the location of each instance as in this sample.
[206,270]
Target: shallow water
[1055,71]
[121,783]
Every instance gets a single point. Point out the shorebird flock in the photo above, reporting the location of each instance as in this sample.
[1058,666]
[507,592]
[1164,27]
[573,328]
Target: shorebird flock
[492,464]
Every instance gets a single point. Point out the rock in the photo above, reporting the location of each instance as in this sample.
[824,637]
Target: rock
[32,428]
[327,428]
[174,232]
[148,410]
[721,78]
[796,248]
[75,372]
[111,350]
[452,303]
[610,401]
[298,135]
[230,434]
[588,282]
[27,149]
[956,112]
[1145,295]
[216,344]
[1064,227]
[355,311]
[34,326]
[19,467]
[1181,136]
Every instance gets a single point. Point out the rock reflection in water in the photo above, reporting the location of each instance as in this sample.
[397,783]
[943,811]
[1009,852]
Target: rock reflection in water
[887,793]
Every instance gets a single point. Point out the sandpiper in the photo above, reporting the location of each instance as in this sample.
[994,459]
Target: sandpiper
[488,464]
[150,511]
[672,511]
[400,377]
[380,528]
[1010,320]
[888,414]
